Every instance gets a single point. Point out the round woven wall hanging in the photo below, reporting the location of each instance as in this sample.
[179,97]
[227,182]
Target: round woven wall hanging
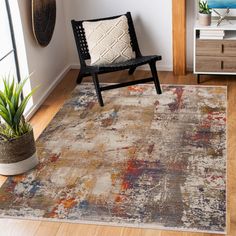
[43,20]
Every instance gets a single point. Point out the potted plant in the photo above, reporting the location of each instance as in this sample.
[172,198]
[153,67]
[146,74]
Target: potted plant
[17,144]
[204,13]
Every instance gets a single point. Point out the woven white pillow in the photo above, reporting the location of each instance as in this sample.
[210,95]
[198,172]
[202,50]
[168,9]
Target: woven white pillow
[108,41]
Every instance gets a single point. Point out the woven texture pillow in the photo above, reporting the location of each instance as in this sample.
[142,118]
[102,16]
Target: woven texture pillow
[108,41]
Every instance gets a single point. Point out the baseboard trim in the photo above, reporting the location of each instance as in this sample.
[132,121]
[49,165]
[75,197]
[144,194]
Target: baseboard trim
[190,67]
[57,80]
[159,67]
[75,66]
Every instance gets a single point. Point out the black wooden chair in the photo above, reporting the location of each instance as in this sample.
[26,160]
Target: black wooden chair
[87,70]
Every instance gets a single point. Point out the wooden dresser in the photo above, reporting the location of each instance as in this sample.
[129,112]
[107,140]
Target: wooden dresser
[215,56]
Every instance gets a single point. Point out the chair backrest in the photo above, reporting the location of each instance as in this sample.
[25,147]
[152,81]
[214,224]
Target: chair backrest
[81,42]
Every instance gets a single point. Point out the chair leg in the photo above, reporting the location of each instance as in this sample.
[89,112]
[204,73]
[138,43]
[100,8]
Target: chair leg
[98,90]
[79,78]
[132,70]
[198,78]
[155,77]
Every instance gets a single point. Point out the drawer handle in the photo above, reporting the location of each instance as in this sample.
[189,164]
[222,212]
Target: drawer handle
[222,48]
[222,65]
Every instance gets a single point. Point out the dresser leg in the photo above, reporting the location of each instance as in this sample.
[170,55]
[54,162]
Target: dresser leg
[198,78]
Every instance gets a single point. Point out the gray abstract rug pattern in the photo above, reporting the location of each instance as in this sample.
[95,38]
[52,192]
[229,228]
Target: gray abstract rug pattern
[144,160]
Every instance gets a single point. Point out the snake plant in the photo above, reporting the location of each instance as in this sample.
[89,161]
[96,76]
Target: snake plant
[204,8]
[12,108]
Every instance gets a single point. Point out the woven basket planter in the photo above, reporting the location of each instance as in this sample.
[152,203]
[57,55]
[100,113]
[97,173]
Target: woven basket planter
[18,155]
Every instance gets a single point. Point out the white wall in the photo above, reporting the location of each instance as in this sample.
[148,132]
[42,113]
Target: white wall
[152,19]
[46,63]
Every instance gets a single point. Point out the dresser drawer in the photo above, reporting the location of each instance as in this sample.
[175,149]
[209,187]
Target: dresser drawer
[229,48]
[229,64]
[215,64]
[216,48]
[208,64]
[209,48]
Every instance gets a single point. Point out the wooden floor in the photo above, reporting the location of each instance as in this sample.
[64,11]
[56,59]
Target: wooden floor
[50,107]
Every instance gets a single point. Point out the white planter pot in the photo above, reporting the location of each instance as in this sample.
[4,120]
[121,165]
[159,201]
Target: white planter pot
[19,167]
[204,19]
[18,155]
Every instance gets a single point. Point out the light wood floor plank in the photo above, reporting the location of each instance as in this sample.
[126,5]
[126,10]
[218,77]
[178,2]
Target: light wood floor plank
[18,227]
[131,232]
[107,231]
[66,229]
[47,228]
[150,232]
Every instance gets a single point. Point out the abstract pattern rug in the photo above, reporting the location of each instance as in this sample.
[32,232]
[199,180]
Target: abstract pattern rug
[144,160]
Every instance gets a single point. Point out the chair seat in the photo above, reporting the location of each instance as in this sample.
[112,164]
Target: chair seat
[125,65]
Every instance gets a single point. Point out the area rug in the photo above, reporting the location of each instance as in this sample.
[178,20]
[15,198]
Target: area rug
[143,160]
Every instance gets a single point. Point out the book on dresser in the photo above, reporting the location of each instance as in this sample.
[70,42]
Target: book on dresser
[215,49]
[212,34]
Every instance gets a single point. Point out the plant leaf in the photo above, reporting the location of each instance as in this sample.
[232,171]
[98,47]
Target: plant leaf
[19,90]
[11,107]
[5,118]
[11,88]
[21,108]
[3,109]
[2,99]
